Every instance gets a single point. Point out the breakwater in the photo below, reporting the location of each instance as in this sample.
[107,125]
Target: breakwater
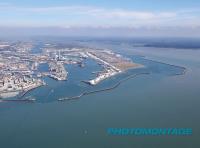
[20,98]
[181,67]
[123,80]
[102,90]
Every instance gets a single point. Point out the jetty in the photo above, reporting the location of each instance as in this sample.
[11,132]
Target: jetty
[102,90]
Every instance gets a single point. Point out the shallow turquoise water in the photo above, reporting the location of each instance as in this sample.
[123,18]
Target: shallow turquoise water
[155,100]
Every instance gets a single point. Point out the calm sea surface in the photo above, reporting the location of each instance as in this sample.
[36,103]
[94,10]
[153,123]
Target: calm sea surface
[160,99]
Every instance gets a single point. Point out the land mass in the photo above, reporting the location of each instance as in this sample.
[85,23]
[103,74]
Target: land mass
[19,64]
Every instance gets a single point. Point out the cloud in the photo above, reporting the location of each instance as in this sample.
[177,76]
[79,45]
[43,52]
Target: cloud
[95,16]
[125,14]
[91,11]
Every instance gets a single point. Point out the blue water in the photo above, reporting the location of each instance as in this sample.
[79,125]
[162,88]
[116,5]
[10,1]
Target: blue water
[37,49]
[43,67]
[74,85]
[155,100]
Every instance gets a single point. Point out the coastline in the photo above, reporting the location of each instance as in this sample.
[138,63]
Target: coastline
[22,93]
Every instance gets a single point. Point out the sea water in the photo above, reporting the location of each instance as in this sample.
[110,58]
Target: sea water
[157,100]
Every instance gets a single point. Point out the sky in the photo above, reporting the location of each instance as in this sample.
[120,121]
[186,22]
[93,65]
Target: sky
[102,17]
